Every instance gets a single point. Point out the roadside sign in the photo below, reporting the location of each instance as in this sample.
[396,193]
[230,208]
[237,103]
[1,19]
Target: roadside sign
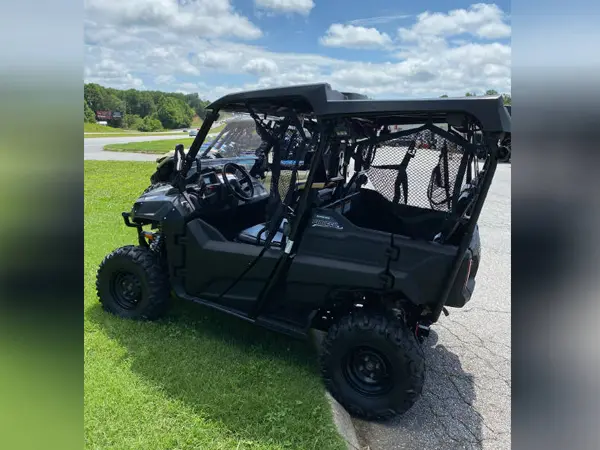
[104,115]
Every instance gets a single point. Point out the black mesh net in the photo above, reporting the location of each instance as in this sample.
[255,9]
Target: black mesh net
[420,170]
[287,166]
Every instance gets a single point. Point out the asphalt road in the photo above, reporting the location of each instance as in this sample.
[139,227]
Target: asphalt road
[92,147]
[467,397]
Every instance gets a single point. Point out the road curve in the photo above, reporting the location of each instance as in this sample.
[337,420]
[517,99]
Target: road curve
[93,147]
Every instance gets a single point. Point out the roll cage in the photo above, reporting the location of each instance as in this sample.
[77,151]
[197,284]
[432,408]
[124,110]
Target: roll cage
[336,135]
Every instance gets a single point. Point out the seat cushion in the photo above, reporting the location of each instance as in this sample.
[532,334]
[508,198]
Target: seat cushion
[251,235]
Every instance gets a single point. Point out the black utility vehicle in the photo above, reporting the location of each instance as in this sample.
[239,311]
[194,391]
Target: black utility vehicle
[331,229]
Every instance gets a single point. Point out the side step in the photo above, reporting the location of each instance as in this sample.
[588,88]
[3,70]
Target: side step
[266,322]
[232,312]
[281,327]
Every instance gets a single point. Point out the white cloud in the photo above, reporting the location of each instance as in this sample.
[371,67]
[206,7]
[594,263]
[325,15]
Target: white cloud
[432,63]
[164,79]
[423,72]
[351,36]
[378,20]
[219,59]
[302,7]
[260,66]
[495,30]
[237,58]
[482,20]
[201,17]
[189,88]
[113,73]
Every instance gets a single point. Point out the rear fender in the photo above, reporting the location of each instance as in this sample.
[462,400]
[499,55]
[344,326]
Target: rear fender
[341,303]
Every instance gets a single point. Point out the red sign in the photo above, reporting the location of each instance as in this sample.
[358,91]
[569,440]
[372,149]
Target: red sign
[104,115]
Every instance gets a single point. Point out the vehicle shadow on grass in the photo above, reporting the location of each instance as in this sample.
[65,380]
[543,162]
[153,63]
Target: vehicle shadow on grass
[263,387]
[444,416]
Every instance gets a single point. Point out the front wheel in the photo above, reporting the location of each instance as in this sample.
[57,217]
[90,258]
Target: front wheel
[132,283]
[373,366]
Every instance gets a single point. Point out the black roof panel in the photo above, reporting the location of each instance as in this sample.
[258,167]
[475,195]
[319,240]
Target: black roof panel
[325,101]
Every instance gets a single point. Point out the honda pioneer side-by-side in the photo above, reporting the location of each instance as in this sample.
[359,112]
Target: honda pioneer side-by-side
[344,223]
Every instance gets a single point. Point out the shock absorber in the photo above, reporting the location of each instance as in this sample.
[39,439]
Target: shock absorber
[422,330]
[154,240]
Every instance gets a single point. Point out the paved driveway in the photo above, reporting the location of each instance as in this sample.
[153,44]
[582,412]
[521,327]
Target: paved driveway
[467,397]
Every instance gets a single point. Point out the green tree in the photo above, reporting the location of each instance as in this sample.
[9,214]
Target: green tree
[470,94]
[132,121]
[178,108]
[444,96]
[93,94]
[146,105]
[507,99]
[88,115]
[197,104]
[150,123]
[491,92]
[168,112]
[174,113]
[112,102]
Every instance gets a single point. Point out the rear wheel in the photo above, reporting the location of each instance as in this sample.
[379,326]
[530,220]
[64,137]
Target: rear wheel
[132,283]
[373,366]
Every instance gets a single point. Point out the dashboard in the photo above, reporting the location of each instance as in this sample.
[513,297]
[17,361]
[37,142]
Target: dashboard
[214,184]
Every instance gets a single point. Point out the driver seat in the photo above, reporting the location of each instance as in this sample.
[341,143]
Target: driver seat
[257,235]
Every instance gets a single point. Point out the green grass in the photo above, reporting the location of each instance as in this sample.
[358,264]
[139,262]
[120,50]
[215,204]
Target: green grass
[196,379]
[158,147]
[95,128]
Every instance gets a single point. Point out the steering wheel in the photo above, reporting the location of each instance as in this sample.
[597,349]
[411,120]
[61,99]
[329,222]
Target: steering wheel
[245,189]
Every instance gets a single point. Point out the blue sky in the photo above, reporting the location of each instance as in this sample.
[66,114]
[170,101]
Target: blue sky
[382,48]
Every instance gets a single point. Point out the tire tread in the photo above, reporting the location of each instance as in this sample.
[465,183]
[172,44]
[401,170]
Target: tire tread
[156,280]
[390,329]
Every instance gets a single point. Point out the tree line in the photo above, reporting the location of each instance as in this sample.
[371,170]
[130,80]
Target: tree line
[505,97]
[143,110]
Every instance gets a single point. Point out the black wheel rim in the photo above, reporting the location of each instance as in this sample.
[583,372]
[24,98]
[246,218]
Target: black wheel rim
[126,289]
[368,371]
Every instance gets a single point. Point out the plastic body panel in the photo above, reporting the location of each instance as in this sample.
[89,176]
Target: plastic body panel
[347,256]
[334,254]
[463,288]
[213,263]
[154,206]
